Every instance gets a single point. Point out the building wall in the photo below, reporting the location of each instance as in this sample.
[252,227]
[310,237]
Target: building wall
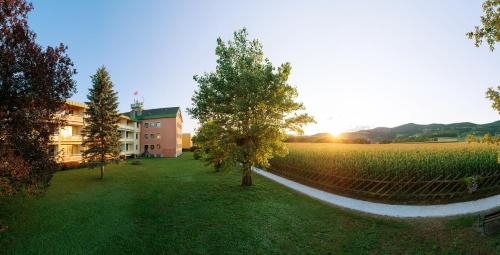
[163,141]
[187,141]
[66,144]
[129,136]
[178,145]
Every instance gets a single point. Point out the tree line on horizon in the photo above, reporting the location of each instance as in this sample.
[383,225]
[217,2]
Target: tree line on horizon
[402,134]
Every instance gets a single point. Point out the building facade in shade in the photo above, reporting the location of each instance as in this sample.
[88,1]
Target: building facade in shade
[129,136]
[160,130]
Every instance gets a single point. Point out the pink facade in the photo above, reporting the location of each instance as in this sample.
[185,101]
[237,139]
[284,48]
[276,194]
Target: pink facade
[162,136]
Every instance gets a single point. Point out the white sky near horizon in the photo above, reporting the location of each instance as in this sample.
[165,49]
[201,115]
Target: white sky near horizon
[356,64]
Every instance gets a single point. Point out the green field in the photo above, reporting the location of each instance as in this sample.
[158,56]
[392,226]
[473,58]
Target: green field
[179,206]
[426,159]
[417,173]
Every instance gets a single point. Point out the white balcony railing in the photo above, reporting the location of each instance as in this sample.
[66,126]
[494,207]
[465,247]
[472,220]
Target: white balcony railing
[127,127]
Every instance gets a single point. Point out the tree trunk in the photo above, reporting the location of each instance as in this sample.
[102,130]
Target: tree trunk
[247,177]
[102,171]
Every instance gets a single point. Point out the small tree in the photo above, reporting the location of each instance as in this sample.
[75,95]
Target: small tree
[471,138]
[249,103]
[490,29]
[35,82]
[211,144]
[487,139]
[494,96]
[101,136]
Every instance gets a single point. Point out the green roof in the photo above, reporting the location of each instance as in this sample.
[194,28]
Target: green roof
[168,112]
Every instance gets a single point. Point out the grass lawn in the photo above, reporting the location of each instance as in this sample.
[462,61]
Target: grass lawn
[178,205]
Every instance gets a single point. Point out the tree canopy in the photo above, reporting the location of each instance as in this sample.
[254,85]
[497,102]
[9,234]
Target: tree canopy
[246,106]
[489,31]
[34,85]
[101,136]
[490,25]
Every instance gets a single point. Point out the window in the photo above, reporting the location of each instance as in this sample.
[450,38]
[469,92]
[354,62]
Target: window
[146,125]
[157,124]
[136,136]
[136,147]
[152,147]
[146,136]
[157,136]
[145,147]
[138,124]
[158,146]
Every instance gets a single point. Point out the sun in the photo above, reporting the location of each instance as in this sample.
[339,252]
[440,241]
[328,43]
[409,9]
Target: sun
[336,131]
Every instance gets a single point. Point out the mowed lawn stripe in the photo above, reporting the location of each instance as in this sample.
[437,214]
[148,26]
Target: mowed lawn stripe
[180,206]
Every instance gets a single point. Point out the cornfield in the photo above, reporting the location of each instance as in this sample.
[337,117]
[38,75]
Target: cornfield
[403,172]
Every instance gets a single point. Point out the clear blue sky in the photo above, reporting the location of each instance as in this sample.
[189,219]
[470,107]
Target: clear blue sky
[355,63]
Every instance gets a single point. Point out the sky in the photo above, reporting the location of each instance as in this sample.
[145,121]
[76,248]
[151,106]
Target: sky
[356,64]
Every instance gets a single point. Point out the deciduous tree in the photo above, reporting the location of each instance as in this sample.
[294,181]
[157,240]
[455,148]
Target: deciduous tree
[490,25]
[489,31]
[35,82]
[212,146]
[249,103]
[487,139]
[471,138]
[101,136]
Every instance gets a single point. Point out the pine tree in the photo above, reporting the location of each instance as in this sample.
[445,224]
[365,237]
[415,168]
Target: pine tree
[101,136]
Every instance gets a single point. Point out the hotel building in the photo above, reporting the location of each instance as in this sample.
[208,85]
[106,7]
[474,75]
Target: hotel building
[154,132]
[161,130]
[66,145]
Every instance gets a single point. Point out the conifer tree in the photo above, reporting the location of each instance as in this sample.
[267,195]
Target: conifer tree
[101,136]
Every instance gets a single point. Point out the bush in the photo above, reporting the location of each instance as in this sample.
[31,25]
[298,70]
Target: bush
[197,154]
[70,165]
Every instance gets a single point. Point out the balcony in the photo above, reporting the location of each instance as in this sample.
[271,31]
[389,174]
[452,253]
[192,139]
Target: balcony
[127,139]
[127,127]
[67,139]
[129,152]
[74,120]
[70,158]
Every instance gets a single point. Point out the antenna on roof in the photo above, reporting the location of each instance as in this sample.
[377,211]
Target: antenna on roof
[137,106]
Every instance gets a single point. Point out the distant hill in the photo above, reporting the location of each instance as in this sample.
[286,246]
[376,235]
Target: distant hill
[417,132]
[410,132]
[317,138]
